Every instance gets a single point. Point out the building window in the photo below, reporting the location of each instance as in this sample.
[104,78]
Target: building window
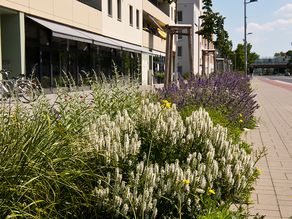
[179,16]
[179,51]
[137,19]
[131,15]
[109,8]
[119,9]
[179,69]
[179,35]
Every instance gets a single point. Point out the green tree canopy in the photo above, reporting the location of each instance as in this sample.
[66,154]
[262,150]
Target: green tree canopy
[222,42]
[289,53]
[279,54]
[239,56]
[209,18]
[212,29]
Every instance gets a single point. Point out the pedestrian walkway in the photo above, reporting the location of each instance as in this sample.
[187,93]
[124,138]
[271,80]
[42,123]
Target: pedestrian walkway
[273,191]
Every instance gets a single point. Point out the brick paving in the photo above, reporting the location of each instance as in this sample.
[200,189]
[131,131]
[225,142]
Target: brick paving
[273,191]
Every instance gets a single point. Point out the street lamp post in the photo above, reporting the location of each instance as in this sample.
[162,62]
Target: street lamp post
[245,34]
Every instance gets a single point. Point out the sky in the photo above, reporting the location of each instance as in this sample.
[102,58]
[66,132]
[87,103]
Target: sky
[269,21]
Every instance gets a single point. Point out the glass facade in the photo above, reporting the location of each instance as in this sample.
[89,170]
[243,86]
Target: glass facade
[51,59]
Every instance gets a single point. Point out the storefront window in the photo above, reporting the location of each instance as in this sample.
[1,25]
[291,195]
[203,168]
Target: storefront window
[53,60]
[83,60]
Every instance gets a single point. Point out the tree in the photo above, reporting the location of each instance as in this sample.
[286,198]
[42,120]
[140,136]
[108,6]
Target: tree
[208,21]
[289,53]
[222,42]
[213,30]
[279,54]
[239,56]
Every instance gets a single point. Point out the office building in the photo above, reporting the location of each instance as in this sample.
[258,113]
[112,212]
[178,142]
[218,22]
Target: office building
[56,37]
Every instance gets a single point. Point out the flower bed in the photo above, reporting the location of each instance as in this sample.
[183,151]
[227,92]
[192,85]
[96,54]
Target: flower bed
[117,153]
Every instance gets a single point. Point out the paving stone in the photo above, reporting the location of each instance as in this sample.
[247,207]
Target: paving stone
[286,211]
[282,183]
[267,213]
[264,182]
[265,191]
[285,203]
[269,207]
[273,191]
[267,199]
[289,175]
[283,191]
[284,197]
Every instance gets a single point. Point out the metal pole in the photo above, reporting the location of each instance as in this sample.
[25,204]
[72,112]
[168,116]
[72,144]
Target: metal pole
[245,43]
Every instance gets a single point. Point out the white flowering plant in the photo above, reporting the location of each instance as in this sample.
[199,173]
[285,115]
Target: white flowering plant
[168,167]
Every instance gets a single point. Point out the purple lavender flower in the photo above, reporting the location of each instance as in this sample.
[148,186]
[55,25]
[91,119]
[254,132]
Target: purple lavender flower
[230,91]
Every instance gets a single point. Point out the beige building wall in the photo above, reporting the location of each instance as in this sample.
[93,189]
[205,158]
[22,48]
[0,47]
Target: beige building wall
[153,42]
[191,11]
[69,12]
[121,29]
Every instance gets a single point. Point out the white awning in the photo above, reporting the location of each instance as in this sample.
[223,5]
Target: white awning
[101,40]
[66,32]
[127,46]
[62,31]
[146,50]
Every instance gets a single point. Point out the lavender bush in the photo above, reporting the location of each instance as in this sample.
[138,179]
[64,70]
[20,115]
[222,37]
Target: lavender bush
[229,93]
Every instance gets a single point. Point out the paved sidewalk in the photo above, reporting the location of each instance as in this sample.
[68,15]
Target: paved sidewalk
[273,194]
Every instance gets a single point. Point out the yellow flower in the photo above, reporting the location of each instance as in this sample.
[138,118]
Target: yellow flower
[240,121]
[186,181]
[259,172]
[240,115]
[211,192]
[166,104]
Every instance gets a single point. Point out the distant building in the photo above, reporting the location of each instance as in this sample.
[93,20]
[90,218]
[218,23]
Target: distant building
[188,12]
[272,65]
[78,36]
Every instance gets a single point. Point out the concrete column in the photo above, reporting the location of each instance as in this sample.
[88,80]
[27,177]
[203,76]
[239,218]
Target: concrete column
[145,68]
[22,42]
[13,43]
